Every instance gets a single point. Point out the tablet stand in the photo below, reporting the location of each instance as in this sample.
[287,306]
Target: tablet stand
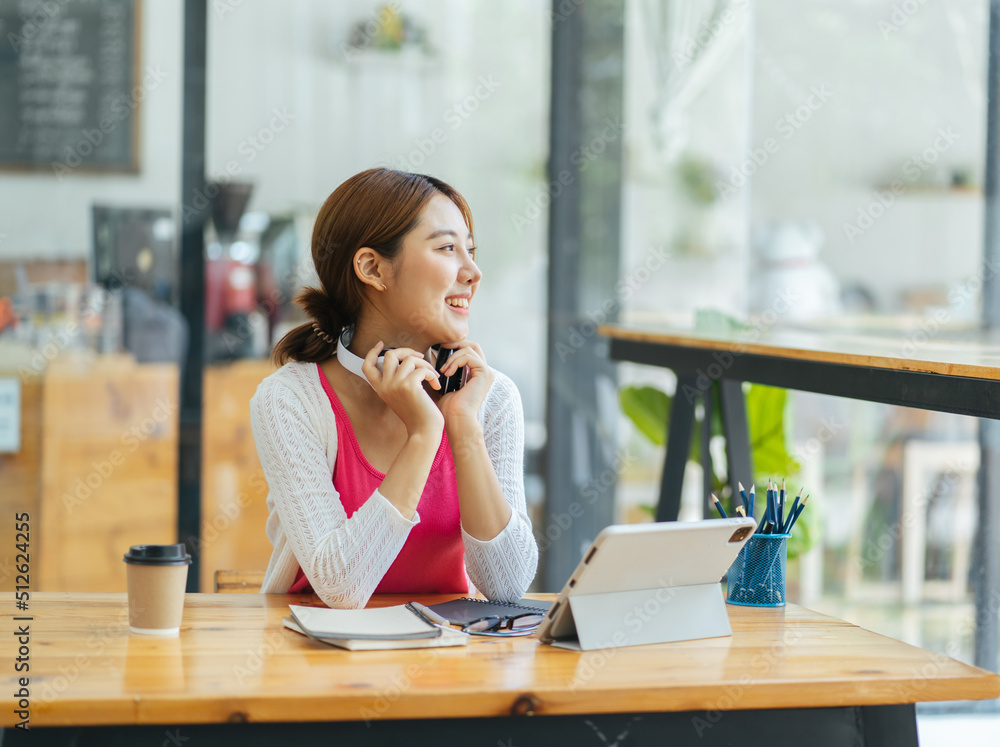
[660,615]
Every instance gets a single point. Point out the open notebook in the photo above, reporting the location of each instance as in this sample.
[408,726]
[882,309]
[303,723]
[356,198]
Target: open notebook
[371,629]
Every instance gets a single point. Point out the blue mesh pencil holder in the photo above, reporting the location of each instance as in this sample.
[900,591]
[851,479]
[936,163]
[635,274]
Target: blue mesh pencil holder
[757,576]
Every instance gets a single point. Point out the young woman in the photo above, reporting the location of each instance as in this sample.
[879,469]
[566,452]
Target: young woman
[377,481]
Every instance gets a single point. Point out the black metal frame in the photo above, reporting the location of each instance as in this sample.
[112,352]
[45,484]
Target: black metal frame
[192,286]
[824,727]
[928,391]
[682,414]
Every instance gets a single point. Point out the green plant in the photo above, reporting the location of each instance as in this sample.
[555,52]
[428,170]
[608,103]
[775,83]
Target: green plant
[697,177]
[649,410]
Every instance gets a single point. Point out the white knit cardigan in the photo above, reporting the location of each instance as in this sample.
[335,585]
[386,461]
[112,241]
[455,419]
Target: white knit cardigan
[343,558]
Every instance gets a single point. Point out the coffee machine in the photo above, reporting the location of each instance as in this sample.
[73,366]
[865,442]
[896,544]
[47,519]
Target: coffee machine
[232,319]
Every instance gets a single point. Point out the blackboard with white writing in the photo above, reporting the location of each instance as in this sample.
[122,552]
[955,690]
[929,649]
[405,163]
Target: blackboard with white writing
[69,89]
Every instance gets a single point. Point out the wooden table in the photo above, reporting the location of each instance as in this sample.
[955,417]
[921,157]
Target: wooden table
[234,672]
[950,371]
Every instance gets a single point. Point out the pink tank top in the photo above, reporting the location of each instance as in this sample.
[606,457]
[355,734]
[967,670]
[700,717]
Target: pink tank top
[432,560]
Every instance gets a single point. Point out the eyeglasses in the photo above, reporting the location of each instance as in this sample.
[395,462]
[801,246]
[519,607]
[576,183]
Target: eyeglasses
[501,627]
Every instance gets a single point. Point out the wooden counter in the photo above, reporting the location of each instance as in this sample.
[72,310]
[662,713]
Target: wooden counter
[233,488]
[97,469]
[233,662]
[97,466]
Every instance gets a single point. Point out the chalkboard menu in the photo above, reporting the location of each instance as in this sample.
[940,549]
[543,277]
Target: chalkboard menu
[69,94]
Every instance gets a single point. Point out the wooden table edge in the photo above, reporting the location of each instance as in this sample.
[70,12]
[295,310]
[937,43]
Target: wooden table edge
[167,710]
[694,341]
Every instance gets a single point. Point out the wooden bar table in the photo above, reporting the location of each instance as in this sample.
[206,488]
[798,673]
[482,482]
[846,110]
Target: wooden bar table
[955,371]
[235,675]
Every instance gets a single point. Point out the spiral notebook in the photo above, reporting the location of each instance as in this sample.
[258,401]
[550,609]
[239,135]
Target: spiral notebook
[465,610]
[375,628]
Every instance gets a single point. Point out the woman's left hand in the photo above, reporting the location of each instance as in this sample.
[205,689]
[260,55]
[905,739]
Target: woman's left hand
[465,403]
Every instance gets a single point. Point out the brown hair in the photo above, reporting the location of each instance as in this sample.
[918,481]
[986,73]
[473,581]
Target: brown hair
[375,208]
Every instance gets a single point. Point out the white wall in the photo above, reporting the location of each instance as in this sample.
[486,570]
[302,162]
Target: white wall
[892,91]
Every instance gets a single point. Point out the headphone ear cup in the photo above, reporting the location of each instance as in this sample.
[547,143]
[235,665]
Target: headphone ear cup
[454,382]
[442,357]
[379,361]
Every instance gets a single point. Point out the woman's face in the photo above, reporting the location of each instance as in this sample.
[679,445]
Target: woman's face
[435,276]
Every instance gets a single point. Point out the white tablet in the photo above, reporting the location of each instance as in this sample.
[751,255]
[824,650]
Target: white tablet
[648,583]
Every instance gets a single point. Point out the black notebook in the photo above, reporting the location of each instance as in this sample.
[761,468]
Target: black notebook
[465,610]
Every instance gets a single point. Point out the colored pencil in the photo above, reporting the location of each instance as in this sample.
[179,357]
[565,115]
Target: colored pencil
[760,526]
[791,513]
[781,505]
[718,507]
[795,517]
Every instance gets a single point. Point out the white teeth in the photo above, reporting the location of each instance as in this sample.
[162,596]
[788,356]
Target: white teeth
[461,302]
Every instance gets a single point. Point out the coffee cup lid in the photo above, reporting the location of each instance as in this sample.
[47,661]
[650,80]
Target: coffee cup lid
[157,555]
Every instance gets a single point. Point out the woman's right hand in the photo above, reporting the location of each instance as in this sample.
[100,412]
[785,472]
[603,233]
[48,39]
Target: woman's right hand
[400,385]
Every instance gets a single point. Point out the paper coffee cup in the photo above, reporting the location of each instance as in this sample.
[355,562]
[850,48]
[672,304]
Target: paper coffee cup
[157,577]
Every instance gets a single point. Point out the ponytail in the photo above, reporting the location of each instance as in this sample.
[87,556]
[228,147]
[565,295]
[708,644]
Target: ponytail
[316,340]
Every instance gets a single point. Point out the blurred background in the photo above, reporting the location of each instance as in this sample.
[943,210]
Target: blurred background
[724,149]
